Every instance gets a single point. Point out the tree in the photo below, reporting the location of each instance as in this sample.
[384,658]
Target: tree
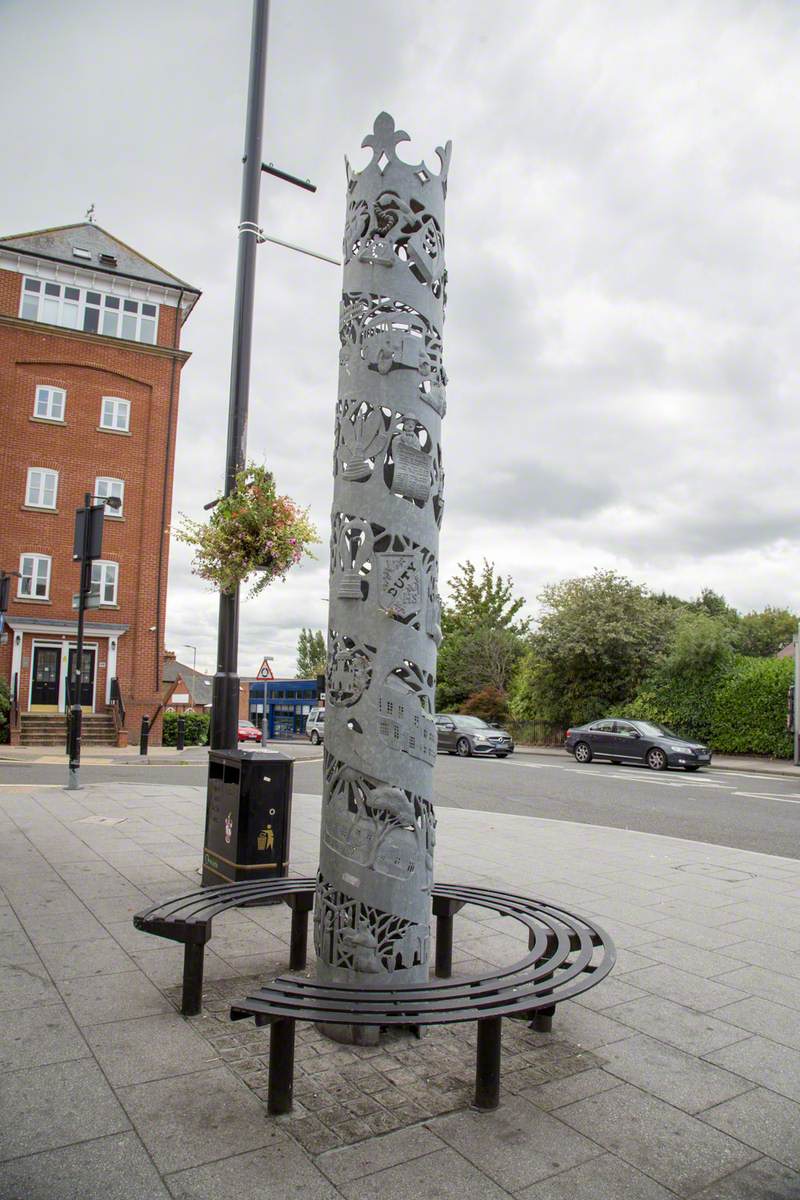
[763,634]
[490,704]
[482,636]
[311,654]
[597,638]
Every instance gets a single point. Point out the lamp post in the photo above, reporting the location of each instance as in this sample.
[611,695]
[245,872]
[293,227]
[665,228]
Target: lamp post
[189,646]
[87,546]
[225,696]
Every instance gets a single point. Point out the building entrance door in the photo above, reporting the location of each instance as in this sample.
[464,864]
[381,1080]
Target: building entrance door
[45,677]
[87,679]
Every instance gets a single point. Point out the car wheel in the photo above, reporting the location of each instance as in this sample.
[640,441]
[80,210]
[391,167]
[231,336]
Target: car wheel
[463,748]
[583,752]
[656,759]
[314,738]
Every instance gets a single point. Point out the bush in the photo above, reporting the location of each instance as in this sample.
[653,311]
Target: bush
[5,705]
[490,704]
[749,710]
[196,733]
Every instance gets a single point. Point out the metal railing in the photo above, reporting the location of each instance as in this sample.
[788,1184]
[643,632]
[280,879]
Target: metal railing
[117,705]
[538,733]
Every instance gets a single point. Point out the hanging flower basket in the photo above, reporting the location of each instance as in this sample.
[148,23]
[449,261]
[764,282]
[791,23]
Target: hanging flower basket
[252,530]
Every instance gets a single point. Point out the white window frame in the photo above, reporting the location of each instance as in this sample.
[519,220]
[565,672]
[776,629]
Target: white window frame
[119,405]
[105,485]
[34,576]
[66,305]
[108,573]
[29,494]
[50,395]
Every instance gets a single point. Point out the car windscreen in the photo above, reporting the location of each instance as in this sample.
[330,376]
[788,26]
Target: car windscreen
[472,723]
[652,730]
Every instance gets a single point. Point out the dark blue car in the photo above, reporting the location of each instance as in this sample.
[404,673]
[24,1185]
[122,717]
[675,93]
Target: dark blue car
[641,742]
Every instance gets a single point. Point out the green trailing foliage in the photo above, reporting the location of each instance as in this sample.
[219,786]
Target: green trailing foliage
[5,707]
[196,731]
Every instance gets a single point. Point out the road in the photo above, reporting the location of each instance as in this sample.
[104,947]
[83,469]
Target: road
[725,808]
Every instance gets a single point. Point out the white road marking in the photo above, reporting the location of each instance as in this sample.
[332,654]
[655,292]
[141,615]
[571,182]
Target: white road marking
[768,796]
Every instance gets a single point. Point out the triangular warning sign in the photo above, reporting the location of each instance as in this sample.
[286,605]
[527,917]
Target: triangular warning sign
[265,671]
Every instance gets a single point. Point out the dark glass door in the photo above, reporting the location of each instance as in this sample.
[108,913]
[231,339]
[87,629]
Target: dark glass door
[46,670]
[87,680]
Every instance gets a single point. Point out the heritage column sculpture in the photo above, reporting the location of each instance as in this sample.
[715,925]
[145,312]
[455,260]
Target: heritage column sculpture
[373,902]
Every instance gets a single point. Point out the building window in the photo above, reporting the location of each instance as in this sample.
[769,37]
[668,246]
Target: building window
[42,488]
[115,414]
[104,581]
[93,312]
[34,576]
[50,403]
[111,487]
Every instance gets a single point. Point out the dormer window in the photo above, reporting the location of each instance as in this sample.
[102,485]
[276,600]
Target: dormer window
[79,252]
[109,260]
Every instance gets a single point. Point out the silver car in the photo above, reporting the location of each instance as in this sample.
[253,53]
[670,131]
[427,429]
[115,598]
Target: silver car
[471,735]
[315,726]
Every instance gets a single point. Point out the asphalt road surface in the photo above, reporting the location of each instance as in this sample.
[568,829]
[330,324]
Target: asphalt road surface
[725,808]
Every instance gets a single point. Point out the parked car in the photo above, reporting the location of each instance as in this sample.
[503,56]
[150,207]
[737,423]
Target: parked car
[642,742]
[248,732]
[315,725]
[470,735]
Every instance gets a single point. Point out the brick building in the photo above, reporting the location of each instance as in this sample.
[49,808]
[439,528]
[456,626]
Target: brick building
[90,366]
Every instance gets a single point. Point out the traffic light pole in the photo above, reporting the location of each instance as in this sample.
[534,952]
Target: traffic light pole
[76,711]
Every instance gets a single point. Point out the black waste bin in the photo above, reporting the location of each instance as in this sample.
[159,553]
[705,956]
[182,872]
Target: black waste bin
[248,816]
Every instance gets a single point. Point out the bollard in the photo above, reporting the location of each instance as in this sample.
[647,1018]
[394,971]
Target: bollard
[144,735]
[181,734]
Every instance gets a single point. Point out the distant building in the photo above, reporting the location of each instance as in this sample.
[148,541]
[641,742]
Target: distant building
[185,689]
[288,703]
[90,366]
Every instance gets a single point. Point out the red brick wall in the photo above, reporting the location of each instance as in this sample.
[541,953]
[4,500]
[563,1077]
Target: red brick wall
[89,367]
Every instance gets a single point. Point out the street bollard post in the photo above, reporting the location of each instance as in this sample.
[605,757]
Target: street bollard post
[181,734]
[144,735]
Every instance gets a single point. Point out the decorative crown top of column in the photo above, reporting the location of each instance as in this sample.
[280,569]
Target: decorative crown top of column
[383,141]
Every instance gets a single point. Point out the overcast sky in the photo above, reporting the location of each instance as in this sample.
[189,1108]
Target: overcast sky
[622,244]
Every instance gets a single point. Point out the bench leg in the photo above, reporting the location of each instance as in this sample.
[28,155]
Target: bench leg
[298,946]
[281,1066]
[543,1019]
[192,998]
[487,1070]
[444,945]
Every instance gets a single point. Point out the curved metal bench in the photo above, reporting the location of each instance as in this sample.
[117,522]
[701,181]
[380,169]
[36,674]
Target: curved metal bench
[567,954]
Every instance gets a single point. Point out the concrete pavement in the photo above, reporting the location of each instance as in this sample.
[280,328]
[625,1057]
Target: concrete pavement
[677,1076]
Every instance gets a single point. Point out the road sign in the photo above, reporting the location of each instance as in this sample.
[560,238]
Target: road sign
[94,545]
[89,602]
[265,670]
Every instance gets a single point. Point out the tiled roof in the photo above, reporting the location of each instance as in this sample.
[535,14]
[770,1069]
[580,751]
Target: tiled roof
[199,686]
[58,243]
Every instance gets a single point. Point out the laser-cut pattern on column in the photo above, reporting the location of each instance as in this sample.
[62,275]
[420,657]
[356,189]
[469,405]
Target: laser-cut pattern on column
[372,913]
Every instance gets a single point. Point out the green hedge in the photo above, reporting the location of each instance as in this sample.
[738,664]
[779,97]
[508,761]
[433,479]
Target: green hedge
[749,710]
[196,733]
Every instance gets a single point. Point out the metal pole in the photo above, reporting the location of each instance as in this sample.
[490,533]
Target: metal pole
[76,713]
[797,697]
[264,725]
[225,711]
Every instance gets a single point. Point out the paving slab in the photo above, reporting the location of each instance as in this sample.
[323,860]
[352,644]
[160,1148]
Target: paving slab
[694,1032]
[45,1107]
[108,1168]
[772,1065]
[34,1037]
[604,1178]
[443,1175]
[681,1079]
[761,1180]
[76,960]
[147,1048]
[775,1021]
[683,988]
[375,1154]
[191,1120]
[517,1146]
[768,1123]
[25,984]
[280,1171]
[112,997]
[656,1138]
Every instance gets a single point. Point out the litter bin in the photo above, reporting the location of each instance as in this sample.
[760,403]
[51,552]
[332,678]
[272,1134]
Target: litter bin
[248,816]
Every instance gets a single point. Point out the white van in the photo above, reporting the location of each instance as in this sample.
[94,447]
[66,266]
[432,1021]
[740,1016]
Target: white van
[315,725]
